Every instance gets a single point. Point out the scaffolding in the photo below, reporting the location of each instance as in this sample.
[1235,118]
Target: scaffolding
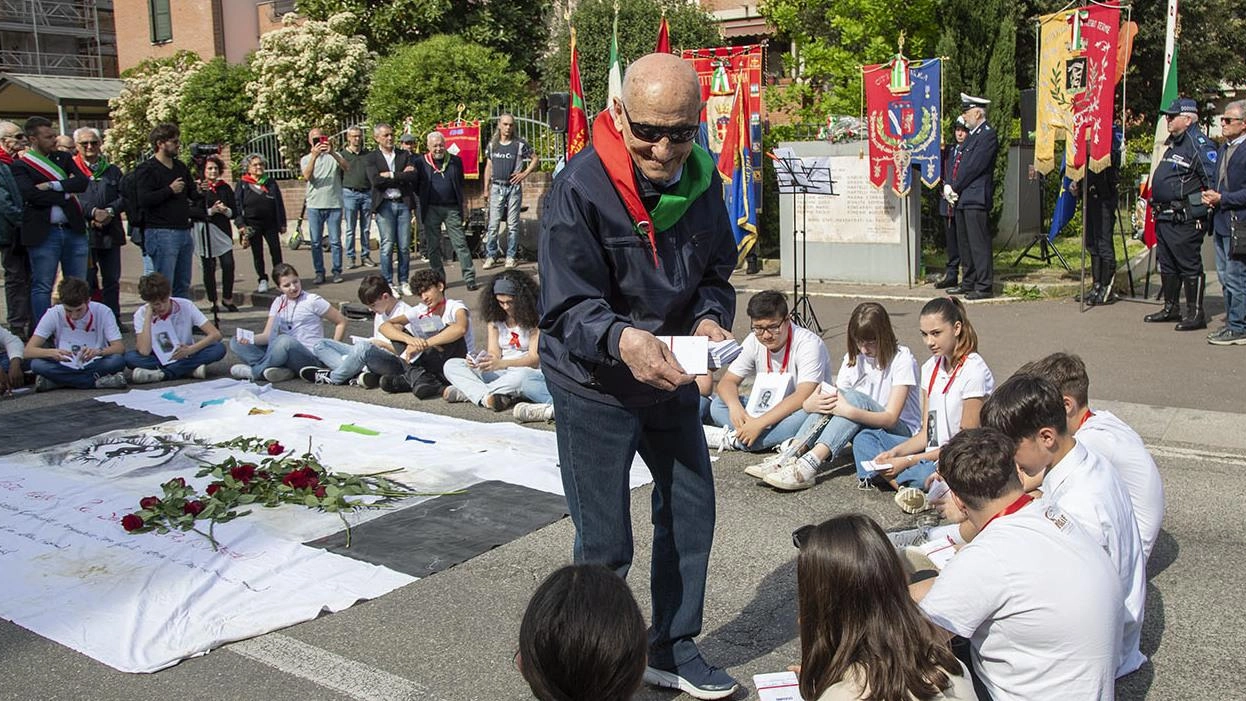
[58,37]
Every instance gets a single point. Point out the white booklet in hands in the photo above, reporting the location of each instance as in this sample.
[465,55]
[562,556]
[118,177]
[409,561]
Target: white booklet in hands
[777,686]
[691,352]
[245,335]
[76,362]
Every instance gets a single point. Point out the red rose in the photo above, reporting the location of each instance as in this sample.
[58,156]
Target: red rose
[243,473]
[176,482]
[193,507]
[214,488]
[149,502]
[132,522]
[263,475]
[295,478]
[319,492]
[275,448]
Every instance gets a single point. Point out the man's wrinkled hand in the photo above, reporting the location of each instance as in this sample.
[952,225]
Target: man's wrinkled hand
[650,360]
[711,330]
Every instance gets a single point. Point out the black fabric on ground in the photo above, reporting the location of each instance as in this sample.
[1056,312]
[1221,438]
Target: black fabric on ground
[64,423]
[443,532]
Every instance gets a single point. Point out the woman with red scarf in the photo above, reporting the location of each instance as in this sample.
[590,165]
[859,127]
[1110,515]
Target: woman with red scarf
[261,216]
[214,236]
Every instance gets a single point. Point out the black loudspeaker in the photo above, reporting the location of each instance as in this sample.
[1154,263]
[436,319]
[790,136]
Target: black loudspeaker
[558,103]
[1029,116]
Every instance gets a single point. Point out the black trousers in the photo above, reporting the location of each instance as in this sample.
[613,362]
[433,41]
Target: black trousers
[273,238]
[1179,245]
[17,289]
[974,242]
[953,247]
[227,276]
[1100,224]
[107,263]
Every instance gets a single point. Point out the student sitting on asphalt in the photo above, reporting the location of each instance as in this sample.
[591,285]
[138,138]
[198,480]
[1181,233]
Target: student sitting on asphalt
[12,362]
[88,351]
[347,364]
[165,348]
[434,331]
[295,325]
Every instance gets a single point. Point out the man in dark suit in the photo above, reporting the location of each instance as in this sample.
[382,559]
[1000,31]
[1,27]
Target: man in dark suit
[393,177]
[970,189]
[1229,200]
[54,231]
[442,200]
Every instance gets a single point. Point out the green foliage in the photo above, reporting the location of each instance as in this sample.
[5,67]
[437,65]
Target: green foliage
[151,95]
[214,104]
[427,80]
[514,28]
[690,26]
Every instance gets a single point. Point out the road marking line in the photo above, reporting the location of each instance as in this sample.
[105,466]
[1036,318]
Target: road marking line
[1195,454]
[912,297]
[330,670]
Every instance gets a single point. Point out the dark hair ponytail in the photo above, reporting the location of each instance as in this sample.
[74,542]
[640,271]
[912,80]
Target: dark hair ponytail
[952,310]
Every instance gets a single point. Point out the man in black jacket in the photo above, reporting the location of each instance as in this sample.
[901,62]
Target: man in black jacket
[53,230]
[1229,199]
[393,176]
[442,200]
[102,205]
[970,189]
[166,193]
[636,245]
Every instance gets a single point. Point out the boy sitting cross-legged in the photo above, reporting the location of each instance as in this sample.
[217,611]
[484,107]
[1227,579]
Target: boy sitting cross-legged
[433,331]
[165,348]
[88,351]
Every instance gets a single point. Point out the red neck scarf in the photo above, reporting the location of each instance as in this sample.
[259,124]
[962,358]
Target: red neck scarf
[261,184]
[6,157]
[608,143]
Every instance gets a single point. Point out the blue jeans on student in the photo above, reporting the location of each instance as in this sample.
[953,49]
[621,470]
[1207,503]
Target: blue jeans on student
[281,352]
[356,209]
[776,434]
[317,219]
[872,441]
[61,248]
[1232,274]
[393,218]
[527,383]
[172,252]
[345,360]
[503,196]
[78,379]
[178,368]
[838,431]
[595,467]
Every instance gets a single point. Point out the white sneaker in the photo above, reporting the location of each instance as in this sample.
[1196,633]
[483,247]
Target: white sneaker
[528,411]
[263,287]
[510,262]
[200,373]
[454,395]
[145,376]
[761,469]
[241,371]
[720,439]
[113,381]
[278,374]
[911,500]
[43,384]
[793,475]
[490,261]
[406,289]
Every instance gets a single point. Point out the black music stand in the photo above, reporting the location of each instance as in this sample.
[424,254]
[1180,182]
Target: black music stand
[798,179]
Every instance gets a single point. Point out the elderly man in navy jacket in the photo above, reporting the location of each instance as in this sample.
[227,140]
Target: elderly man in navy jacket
[635,245]
[970,190]
[1229,199]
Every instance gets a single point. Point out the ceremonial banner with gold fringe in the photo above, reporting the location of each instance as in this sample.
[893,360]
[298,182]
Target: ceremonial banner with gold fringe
[1076,77]
[463,140]
[902,103]
[736,168]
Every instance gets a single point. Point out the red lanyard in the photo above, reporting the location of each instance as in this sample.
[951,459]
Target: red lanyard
[787,353]
[435,311]
[89,324]
[172,309]
[950,380]
[1089,414]
[1012,508]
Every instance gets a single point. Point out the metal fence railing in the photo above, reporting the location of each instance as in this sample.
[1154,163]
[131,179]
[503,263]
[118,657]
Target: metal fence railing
[264,141]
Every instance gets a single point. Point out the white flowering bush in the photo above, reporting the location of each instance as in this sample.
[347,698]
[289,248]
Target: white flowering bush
[150,96]
[307,75]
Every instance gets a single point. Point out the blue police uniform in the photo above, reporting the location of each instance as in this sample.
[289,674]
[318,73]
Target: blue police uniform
[973,180]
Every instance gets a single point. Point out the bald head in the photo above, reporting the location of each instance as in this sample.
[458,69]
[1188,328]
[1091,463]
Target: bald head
[663,79]
[659,114]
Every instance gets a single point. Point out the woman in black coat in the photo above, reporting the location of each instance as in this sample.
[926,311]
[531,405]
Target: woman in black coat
[214,235]
[261,216]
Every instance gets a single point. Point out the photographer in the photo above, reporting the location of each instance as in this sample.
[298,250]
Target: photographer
[260,215]
[322,169]
[214,237]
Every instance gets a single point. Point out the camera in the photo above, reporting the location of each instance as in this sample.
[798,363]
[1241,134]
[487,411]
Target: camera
[199,154]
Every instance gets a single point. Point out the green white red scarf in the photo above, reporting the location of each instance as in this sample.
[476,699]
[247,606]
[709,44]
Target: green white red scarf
[261,183]
[92,172]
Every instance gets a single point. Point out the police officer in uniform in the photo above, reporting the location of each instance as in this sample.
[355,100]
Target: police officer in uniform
[1101,195]
[947,212]
[970,189]
[1181,217]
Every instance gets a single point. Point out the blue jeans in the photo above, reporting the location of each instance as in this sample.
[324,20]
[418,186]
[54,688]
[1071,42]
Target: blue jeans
[776,434]
[178,368]
[838,431]
[872,441]
[281,352]
[510,198]
[527,383]
[64,248]
[78,379]
[595,466]
[393,218]
[346,360]
[317,219]
[172,251]
[356,208]
[1232,274]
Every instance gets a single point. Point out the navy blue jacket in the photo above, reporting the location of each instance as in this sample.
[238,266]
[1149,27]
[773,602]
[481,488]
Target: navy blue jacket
[974,178]
[1188,165]
[452,170]
[598,278]
[1232,189]
[102,193]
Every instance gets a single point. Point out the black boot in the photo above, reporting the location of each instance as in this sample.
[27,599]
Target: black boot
[1170,289]
[1193,318]
[1107,273]
[949,280]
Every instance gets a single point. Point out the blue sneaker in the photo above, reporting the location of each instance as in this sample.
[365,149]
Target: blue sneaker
[695,678]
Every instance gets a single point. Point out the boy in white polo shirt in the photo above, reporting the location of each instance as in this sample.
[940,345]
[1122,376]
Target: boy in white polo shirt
[1111,438]
[1030,411]
[785,361]
[346,363]
[165,348]
[436,329]
[88,351]
[1037,598]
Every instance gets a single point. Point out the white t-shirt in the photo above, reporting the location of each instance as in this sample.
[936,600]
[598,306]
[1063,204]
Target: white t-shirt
[300,318]
[807,361]
[1040,604]
[947,389]
[1088,490]
[866,377]
[96,329]
[184,316]
[514,340]
[424,323]
[401,308]
[1113,439]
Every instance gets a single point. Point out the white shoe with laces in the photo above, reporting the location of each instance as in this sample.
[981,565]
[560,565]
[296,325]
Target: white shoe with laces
[720,439]
[490,261]
[510,263]
[278,374]
[794,474]
[760,470]
[146,376]
[263,287]
[528,411]
[406,290]
[240,371]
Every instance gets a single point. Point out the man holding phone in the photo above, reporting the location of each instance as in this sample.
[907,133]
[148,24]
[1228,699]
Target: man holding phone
[322,169]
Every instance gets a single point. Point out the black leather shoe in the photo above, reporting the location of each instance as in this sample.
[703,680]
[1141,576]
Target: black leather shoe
[958,290]
[946,282]
[974,294]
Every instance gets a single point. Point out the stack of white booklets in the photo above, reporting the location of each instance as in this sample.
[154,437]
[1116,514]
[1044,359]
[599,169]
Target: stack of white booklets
[723,352]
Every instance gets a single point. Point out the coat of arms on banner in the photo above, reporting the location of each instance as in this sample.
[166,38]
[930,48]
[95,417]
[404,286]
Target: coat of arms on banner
[903,101]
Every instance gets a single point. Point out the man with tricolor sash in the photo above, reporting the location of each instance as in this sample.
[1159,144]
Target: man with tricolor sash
[635,247]
[53,228]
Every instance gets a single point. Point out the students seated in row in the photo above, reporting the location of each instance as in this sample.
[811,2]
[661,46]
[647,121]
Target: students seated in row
[1109,437]
[954,383]
[507,372]
[861,635]
[88,352]
[295,325]
[1030,411]
[431,332]
[876,387]
[785,362]
[12,362]
[165,348]
[341,363]
[1037,598]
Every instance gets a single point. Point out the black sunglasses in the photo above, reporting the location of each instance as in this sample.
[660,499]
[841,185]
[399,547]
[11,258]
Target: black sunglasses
[652,133]
[800,535]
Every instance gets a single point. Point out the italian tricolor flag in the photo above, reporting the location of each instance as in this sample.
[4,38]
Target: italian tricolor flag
[1161,123]
[577,118]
